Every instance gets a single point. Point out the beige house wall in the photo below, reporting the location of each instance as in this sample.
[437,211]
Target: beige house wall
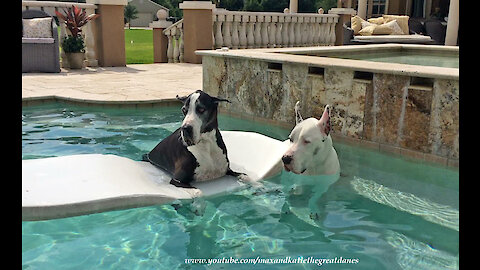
[143,20]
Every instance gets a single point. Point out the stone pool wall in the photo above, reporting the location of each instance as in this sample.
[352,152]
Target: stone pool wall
[416,117]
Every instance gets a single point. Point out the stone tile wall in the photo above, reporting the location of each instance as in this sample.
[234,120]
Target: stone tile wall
[388,110]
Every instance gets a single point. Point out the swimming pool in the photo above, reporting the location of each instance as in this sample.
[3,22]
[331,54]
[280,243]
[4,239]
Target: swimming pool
[448,60]
[386,212]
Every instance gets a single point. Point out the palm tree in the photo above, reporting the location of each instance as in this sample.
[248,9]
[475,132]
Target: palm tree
[130,13]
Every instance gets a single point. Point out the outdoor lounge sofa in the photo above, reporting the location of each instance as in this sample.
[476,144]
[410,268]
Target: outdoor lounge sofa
[40,54]
[420,32]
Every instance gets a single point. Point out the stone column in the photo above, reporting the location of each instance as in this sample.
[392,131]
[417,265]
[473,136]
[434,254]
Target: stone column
[293,7]
[452,26]
[160,41]
[369,9]
[362,9]
[109,32]
[197,28]
[428,8]
[345,15]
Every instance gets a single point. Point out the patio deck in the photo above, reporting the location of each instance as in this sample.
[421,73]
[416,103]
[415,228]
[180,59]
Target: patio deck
[142,83]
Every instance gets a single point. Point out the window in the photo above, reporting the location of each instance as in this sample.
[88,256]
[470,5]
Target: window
[378,7]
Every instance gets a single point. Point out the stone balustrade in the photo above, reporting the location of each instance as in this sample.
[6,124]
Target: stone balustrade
[240,30]
[50,7]
[175,48]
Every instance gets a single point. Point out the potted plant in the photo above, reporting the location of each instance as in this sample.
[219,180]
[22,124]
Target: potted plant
[73,44]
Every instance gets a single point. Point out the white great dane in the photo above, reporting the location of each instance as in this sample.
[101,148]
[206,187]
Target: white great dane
[311,151]
[311,155]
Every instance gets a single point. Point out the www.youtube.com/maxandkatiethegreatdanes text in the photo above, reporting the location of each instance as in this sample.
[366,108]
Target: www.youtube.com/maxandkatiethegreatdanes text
[284,260]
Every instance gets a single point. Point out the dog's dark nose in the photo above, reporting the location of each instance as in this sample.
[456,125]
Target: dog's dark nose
[187,130]
[287,159]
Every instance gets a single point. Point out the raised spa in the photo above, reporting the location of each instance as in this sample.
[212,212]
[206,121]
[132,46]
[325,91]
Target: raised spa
[399,98]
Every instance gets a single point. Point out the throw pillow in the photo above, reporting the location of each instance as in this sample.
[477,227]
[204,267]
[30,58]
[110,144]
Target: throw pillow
[396,30]
[379,20]
[402,21]
[368,30]
[356,23]
[37,28]
[382,29]
[390,28]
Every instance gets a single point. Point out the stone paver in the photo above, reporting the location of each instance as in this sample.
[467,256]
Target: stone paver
[133,83]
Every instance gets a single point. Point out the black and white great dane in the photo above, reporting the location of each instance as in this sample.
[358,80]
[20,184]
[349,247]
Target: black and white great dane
[195,151]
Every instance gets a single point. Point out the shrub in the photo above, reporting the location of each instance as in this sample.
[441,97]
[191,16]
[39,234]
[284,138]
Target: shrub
[73,44]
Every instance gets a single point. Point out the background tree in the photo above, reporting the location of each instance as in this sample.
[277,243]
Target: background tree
[304,6]
[252,5]
[172,5]
[274,5]
[233,5]
[325,4]
[130,13]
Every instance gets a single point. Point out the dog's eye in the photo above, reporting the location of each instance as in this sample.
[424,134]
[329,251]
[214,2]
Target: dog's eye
[200,110]
[184,111]
[306,141]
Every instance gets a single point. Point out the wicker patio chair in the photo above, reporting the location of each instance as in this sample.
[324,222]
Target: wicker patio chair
[40,54]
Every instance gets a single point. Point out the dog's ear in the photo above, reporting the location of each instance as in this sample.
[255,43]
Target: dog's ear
[298,117]
[324,122]
[182,99]
[217,100]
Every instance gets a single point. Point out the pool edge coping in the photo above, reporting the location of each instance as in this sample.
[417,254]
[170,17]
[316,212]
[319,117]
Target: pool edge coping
[281,55]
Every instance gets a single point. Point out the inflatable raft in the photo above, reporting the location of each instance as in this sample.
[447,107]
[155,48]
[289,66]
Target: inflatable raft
[83,184]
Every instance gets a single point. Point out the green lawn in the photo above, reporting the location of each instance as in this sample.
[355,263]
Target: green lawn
[140,51]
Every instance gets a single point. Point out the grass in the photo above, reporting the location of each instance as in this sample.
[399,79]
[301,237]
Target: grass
[139,46]
[140,51]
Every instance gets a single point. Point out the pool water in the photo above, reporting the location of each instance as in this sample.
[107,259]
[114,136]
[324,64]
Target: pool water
[423,58]
[384,211]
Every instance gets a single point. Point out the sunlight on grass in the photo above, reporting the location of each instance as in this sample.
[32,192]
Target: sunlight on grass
[139,46]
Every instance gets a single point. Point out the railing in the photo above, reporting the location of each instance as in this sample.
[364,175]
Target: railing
[239,30]
[50,7]
[175,42]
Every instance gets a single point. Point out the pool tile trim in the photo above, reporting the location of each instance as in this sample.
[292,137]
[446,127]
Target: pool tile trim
[380,147]
[383,148]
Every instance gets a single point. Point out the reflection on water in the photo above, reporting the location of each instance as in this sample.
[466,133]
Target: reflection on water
[441,214]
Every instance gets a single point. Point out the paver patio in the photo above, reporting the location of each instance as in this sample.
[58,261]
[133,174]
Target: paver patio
[133,83]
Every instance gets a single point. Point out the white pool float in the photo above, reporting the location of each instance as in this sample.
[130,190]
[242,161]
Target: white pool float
[82,184]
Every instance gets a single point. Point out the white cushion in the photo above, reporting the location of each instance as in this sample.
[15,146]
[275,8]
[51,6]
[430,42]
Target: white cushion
[37,28]
[390,28]
[367,24]
[396,30]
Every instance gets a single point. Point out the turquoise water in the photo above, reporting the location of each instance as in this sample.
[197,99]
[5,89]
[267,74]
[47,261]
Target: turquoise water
[385,212]
[424,58]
